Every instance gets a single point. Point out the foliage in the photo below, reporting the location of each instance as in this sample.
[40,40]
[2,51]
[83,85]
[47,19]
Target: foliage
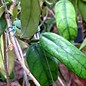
[65,52]
[2,25]
[29,17]
[41,65]
[10,60]
[82,11]
[34,21]
[66,24]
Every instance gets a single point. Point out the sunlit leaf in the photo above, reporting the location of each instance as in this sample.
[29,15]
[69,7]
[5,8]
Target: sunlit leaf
[65,52]
[66,19]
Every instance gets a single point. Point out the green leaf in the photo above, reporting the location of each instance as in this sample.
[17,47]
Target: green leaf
[82,6]
[84,0]
[29,17]
[2,10]
[53,58]
[37,62]
[2,77]
[2,71]
[15,13]
[2,25]
[50,2]
[51,21]
[10,60]
[66,19]
[8,1]
[65,52]
[83,45]
[12,76]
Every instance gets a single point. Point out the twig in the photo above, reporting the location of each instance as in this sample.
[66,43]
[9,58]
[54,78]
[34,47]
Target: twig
[17,48]
[49,3]
[45,18]
[26,83]
[51,12]
[60,81]
[21,60]
[6,60]
[24,40]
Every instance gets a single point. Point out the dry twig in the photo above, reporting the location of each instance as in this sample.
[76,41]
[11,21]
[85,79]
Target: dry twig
[17,48]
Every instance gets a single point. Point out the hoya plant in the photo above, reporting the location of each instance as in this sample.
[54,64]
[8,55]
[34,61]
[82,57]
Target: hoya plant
[40,34]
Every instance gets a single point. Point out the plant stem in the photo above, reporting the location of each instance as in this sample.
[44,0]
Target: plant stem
[60,81]
[6,60]
[17,48]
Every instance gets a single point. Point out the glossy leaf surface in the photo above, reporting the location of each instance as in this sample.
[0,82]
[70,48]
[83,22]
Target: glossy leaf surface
[66,19]
[65,52]
[42,67]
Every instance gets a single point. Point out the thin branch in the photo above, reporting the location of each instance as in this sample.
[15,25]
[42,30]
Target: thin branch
[17,48]
[26,83]
[24,40]
[60,81]
[45,18]
[6,60]
[51,12]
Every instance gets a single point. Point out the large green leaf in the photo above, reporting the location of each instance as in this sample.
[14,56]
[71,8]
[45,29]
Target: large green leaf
[66,19]
[82,6]
[42,67]
[65,52]
[29,17]
[2,25]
